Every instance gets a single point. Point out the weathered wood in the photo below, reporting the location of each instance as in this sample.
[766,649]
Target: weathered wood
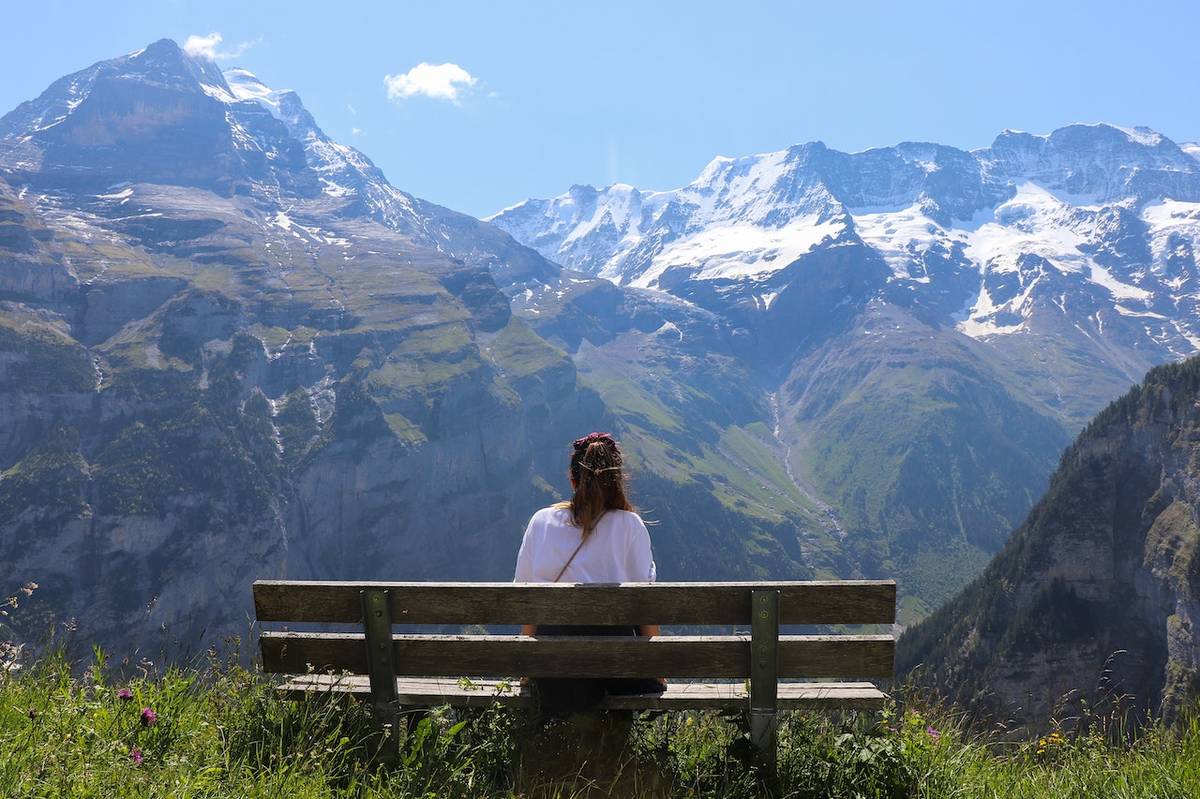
[813,602]
[428,692]
[378,653]
[764,674]
[571,656]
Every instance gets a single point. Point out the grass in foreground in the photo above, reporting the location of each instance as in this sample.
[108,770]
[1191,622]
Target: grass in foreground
[218,731]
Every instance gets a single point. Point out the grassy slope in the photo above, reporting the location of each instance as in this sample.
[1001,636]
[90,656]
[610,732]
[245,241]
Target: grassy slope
[927,450]
[713,478]
[219,732]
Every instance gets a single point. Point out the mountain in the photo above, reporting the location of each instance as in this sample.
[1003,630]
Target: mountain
[930,325]
[1100,587]
[230,349]
[1083,235]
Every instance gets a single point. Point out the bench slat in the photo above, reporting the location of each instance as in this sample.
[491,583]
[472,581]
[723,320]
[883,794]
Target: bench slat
[678,696]
[811,602]
[577,656]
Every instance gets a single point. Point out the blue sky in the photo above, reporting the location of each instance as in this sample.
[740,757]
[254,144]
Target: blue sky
[648,92]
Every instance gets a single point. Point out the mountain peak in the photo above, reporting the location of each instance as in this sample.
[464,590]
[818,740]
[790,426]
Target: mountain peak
[164,61]
[164,47]
[1139,135]
[163,115]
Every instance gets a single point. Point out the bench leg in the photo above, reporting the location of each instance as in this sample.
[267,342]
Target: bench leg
[387,719]
[764,729]
[764,680]
[377,628]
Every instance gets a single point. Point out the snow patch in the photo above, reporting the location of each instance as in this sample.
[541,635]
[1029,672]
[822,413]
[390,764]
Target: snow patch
[244,85]
[1143,136]
[1121,309]
[903,237]
[669,327]
[217,93]
[1121,291]
[741,250]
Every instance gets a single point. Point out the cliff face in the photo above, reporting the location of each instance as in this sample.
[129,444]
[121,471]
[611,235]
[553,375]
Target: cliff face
[1099,590]
[149,479]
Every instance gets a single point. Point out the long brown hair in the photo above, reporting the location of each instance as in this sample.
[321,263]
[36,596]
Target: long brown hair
[596,471]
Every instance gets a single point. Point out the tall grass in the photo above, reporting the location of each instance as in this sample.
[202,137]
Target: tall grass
[217,730]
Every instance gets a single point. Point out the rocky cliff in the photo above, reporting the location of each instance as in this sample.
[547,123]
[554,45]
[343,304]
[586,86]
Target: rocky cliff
[1097,594]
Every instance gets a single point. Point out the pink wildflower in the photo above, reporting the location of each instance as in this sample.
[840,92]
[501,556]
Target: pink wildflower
[135,754]
[149,717]
[125,694]
[932,733]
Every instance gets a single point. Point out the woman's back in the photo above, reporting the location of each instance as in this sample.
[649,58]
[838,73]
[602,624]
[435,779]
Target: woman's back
[597,537]
[616,551]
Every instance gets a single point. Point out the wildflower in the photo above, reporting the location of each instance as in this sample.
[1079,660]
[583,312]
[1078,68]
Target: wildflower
[125,695]
[933,733]
[135,754]
[149,717]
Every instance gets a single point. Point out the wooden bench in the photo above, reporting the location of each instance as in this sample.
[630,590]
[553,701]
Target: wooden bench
[397,670]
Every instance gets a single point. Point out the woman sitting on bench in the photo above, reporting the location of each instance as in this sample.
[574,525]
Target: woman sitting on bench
[597,537]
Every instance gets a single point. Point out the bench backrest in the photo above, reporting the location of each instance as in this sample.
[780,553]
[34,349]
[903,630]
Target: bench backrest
[762,605]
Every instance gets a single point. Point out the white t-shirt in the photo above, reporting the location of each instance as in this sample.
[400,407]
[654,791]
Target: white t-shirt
[617,550]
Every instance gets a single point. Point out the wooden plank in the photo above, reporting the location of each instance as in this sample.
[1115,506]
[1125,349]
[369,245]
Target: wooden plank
[414,692]
[435,691]
[578,656]
[812,602]
[792,696]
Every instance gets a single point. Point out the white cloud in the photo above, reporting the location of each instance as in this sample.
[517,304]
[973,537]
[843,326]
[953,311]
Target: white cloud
[206,47]
[437,81]
[355,131]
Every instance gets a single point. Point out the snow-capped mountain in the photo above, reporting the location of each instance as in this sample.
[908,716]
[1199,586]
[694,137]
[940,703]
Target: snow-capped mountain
[227,132]
[1094,223]
[120,130]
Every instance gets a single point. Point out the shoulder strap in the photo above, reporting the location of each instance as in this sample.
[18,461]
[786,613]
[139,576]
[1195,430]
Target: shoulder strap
[582,541]
[563,570]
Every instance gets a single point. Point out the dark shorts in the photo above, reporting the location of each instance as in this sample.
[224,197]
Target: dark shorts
[569,695]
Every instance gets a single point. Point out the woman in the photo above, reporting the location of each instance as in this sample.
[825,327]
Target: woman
[597,537]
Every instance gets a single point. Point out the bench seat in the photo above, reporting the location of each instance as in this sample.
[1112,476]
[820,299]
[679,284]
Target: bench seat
[434,691]
[758,674]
